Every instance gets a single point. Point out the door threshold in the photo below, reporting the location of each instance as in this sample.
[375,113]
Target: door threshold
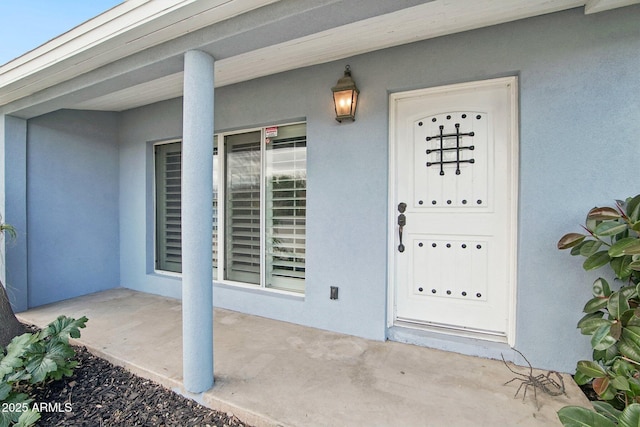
[458,331]
[447,340]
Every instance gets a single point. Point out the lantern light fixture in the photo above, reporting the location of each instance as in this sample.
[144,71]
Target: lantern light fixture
[345,97]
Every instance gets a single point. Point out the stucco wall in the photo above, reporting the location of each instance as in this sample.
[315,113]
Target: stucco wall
[72,205]
[579,113]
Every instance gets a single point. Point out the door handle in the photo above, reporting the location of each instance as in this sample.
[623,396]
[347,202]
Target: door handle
[402,221]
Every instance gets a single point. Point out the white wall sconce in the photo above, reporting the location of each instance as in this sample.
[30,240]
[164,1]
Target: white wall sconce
[345,97]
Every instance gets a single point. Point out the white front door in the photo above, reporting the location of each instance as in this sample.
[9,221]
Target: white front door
[454,186]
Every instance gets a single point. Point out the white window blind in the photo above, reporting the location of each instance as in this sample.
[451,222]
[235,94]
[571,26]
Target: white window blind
[242,231]
[262,236]
[286,194]
[168,207]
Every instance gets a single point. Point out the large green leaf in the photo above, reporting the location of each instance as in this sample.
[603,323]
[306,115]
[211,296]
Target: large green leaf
[632,333]
[607,410]
[635,265]
[590,369]
[596,260]
[576,249]
[28,418]
[64,327]
[40,366]
[15,352]
[620,266]
[623,368]
[577,416]
[601,288]
[5,389]
[591,322]
[602,338]
[570,240]
[581,379]
[589,248]
[610,228]
[628,348]
[626,246]
[633,208]
[617,305]
[620,383]
[595,304]
[630,416]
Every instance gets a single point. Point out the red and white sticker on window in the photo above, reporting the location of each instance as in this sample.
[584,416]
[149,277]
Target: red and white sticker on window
[271,132]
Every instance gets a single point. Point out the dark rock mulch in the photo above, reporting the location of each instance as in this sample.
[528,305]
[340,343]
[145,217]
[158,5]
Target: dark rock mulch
[102,394]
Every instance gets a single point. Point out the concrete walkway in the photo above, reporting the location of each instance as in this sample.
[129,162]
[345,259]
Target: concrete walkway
[272,373]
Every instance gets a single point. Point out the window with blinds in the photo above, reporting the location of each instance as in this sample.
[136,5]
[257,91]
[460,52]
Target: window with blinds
[261,177]
[168,177]
[286,197]
[168,214]
[242,231]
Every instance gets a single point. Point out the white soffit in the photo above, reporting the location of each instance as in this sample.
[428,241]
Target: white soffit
[130,27]
[595,6]
[145,23]
[429,20]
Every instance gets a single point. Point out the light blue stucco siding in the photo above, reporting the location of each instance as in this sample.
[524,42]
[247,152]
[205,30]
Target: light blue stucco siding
[579,111]
[72,194]
[13,130]
[576,91]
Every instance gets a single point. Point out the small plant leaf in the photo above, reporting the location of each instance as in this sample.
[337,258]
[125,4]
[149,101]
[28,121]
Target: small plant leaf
[591,369]
[628,348]
[616,330]
[630,416]
[620,383]
[632,333]
[617,304]
[596,260]
[635,265]
[626,246]
[570,240]
[603,213]
[581,379]
[601,288]
[595,304]
[600,385]
[620,266]
[602,339]
[633,208]
[610,228]
[591,322]
[589,248]
[576,249]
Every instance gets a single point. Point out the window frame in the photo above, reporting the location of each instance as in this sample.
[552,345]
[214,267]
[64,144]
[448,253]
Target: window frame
[222,200]
[156,255]
[220,172]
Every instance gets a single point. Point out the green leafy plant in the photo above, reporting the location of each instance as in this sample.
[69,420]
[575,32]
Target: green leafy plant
[612,318]
[35,358]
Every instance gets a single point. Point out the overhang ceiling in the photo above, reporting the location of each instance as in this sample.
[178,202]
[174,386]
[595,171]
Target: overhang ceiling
[132,54]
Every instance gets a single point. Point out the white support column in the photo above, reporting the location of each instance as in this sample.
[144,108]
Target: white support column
[197,213]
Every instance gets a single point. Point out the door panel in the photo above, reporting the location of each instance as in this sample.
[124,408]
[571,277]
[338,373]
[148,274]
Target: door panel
[454,152]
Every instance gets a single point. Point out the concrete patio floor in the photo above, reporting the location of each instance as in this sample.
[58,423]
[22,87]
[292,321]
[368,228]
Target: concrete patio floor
[271,373]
